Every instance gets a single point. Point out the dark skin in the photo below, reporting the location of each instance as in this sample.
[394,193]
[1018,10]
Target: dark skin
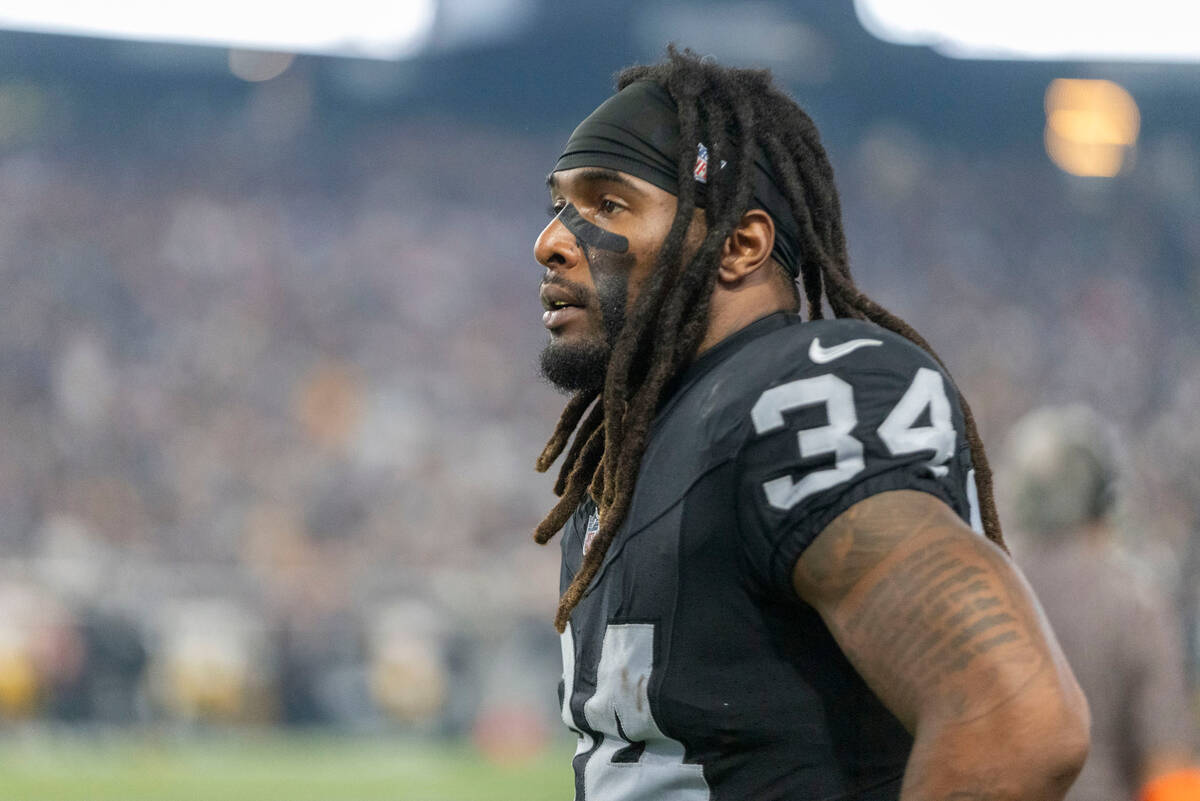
[594,279]
[936,618]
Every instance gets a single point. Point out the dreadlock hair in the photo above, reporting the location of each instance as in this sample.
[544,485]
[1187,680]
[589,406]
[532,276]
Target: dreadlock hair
[736,110]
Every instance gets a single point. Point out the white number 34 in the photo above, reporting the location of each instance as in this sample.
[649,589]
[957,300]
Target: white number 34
[898,432]
[631,759]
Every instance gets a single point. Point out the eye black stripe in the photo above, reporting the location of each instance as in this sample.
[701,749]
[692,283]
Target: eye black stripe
[590,233]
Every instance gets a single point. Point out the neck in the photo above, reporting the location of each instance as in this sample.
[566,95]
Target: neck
[733,309]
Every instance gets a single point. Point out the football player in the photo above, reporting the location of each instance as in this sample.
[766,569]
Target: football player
[779,580]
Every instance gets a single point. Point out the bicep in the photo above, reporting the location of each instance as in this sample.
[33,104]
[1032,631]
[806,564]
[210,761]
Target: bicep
[934,617]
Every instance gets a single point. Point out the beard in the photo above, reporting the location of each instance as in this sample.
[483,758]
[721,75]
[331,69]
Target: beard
[582,365]
[576,366]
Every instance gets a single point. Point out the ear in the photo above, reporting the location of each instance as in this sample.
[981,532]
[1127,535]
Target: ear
[747,248]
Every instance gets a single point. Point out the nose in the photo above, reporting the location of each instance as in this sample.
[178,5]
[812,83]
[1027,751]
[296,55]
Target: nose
[556,248]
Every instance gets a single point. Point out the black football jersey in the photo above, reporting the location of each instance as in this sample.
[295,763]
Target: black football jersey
[691,669]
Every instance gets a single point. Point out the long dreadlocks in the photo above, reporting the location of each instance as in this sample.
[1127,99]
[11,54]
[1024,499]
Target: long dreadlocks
[736,110]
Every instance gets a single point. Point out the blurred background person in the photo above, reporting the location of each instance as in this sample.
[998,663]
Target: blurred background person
[1118,625]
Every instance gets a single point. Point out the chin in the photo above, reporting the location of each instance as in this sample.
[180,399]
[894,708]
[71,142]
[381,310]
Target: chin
[573,364]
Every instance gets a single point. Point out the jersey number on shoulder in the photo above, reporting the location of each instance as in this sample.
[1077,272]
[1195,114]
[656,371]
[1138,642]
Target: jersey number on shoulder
[632,760]
[898,432]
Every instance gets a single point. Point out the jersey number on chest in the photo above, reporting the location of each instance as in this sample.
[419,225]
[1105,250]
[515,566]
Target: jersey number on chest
[628,758]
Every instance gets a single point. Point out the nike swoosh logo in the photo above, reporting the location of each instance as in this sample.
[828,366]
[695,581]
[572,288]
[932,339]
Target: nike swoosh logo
[822,355]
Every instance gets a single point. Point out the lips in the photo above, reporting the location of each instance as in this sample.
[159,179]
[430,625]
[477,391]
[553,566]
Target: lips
[560,304]
[558,297]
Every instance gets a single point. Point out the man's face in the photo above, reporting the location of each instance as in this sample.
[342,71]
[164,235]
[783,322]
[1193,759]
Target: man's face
[592,280]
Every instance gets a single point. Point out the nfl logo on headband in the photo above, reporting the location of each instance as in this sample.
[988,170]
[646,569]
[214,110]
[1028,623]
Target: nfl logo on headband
[700,172]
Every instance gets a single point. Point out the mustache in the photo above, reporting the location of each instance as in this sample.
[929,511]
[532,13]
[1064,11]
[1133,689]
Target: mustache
[581,293]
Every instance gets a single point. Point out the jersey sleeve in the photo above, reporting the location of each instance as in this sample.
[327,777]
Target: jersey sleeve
[825,435]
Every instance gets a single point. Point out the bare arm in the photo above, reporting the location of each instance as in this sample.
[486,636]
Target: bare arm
[946,632]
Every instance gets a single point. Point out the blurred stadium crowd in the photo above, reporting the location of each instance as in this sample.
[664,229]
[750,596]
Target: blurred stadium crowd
[270,400]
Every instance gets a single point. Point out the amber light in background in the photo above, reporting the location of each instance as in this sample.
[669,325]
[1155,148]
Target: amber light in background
[1091,126]
[1180,785]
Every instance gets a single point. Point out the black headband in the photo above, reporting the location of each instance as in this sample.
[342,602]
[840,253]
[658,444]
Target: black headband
[636,131]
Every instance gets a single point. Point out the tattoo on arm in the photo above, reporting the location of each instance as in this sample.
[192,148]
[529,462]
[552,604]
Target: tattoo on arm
[926,610]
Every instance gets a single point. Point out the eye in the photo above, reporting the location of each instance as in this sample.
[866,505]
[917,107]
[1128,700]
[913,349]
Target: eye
[555,207]
[608,207]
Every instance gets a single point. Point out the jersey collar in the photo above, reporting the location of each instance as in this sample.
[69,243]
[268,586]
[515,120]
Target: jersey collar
[721,351]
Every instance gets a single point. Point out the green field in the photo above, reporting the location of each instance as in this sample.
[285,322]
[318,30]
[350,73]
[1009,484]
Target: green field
[269,768]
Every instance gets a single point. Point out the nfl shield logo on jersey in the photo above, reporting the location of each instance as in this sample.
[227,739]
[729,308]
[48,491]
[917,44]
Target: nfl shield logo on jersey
[593,528]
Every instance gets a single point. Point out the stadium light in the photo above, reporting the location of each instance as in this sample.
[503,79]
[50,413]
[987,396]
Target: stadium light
[1091,126]
[1046,30]
[356,28]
